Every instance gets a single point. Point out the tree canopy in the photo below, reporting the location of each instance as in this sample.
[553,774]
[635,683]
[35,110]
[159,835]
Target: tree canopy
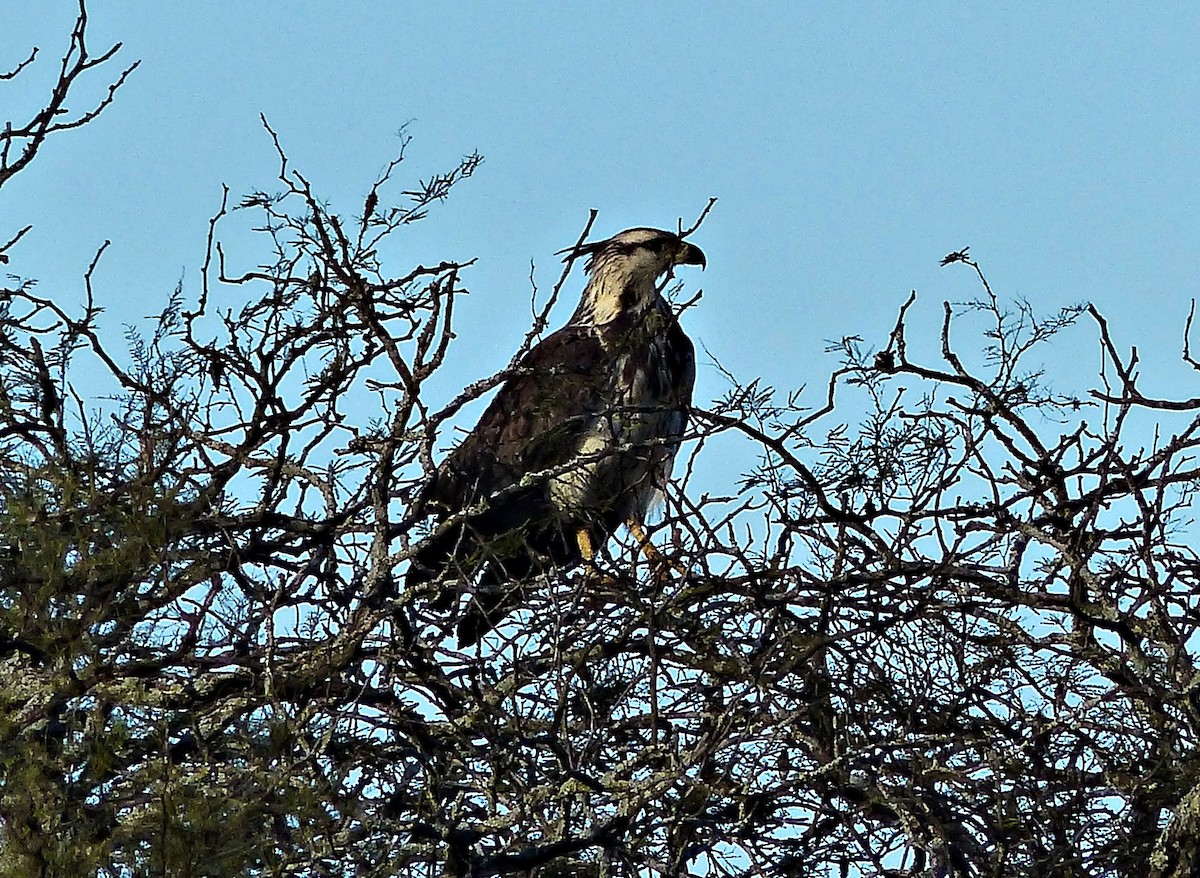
[944,622]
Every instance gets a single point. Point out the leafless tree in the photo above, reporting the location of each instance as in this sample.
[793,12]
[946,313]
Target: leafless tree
[945,623]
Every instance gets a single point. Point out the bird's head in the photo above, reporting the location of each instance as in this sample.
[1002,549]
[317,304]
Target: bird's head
[640,252]
[624,269]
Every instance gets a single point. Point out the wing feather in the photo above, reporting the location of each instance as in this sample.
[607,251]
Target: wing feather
[535,421]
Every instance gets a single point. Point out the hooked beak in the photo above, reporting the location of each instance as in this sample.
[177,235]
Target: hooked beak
[690,254]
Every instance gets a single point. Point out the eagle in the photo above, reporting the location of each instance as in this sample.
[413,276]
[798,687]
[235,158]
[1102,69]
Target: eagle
[579,440]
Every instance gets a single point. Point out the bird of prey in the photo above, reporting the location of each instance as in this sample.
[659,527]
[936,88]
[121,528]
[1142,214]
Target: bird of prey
[578,441]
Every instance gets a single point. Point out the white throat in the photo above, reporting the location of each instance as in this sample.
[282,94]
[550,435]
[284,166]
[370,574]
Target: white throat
[612,291]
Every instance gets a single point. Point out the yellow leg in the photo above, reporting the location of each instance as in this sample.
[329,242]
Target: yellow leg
[652,554]
[586,549]
[656,558]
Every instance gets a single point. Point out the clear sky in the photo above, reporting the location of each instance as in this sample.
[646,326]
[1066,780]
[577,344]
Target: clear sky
[851,146]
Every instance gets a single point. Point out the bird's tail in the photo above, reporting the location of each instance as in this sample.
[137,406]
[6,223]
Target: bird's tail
[485,610]
[434,562]
[498,592]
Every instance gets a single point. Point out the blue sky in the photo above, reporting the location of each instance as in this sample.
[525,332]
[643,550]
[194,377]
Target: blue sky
[850,145]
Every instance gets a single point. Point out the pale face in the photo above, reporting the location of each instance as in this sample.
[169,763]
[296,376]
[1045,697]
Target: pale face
[647,253]
[624,270]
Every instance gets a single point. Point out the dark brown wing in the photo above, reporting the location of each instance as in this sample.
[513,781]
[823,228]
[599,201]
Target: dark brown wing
[534,423]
